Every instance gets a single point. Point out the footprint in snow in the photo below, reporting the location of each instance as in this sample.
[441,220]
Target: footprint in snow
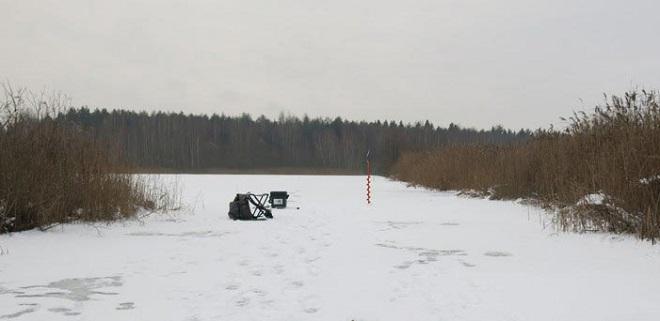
[466,264]
[282,240]
[311,310]
[497,254]
[126,306]
[309,304]
[450,224]
[232,286]
[279,269]
[258,292]
[242,302]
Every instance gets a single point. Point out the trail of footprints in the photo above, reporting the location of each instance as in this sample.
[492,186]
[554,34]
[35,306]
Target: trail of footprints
[284,262]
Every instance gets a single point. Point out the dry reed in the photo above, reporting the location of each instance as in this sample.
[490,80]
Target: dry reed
[52,173]
[613,152]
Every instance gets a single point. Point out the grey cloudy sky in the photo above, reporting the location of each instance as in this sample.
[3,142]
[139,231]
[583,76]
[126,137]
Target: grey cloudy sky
[520,63]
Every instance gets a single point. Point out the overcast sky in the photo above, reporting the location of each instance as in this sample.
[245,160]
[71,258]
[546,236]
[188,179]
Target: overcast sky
[519,63]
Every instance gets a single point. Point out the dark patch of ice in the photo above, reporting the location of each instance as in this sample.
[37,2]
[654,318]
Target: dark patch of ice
[389,246]
[450,224]
[72,289]
[8,291]
[18,314]
[126,306]
[424,255]
[64,311]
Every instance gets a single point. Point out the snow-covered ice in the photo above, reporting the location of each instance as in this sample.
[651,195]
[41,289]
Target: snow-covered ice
[413,254]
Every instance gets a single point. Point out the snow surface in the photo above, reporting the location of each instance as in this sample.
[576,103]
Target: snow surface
[413,254]
[593,199]
[649,180]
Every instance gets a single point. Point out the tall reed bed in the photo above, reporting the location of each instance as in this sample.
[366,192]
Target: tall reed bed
[602,172]
[52,172]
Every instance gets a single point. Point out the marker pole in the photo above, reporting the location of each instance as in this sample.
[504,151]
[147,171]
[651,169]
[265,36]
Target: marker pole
[368,179]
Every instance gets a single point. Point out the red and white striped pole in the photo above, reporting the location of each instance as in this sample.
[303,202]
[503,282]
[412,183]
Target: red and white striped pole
[368,178]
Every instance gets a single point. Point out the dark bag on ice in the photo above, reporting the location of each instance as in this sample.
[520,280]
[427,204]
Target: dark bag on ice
[239,208]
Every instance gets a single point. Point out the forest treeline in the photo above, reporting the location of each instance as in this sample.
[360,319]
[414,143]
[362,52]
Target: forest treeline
[185,142]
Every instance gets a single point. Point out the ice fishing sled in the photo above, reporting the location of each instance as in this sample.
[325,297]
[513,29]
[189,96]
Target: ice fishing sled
[249,207]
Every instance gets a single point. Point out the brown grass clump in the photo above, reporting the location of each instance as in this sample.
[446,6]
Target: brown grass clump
[613,152]
[53,173]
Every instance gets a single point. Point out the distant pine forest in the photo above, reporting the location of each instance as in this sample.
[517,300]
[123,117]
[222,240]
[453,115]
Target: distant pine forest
[178,142]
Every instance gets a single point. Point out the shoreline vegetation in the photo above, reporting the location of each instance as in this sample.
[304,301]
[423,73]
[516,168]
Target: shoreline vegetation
[63,164]
[53,173]
[601,173]
[254,171]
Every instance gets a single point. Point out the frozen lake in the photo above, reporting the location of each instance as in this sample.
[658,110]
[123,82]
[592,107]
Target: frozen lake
[412,255]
